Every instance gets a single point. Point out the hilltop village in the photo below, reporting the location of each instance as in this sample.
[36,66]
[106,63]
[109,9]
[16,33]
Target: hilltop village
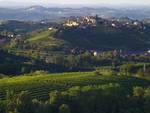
[93,21]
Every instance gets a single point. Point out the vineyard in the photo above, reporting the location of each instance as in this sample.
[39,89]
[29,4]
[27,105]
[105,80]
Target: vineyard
[40,85]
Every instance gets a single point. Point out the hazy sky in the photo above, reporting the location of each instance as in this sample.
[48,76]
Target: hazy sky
[92,2]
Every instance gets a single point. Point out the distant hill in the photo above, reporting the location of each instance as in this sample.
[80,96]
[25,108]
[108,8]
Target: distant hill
[40,12]
[19,27]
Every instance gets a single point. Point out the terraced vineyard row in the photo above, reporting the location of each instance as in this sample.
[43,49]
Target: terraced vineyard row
[39,86]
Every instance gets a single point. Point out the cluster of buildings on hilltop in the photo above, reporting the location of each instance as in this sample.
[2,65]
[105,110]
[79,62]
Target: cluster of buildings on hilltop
[95,20]
[80,21]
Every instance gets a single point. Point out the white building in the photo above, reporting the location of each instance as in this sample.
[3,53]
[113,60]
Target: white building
[95,53]
[113,25]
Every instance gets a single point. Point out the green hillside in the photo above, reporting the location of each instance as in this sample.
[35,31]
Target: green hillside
[105,38]
[40,84]
[100,37]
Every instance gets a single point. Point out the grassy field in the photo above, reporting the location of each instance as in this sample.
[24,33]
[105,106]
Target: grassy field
[39,85]
[40,36]
[44,40]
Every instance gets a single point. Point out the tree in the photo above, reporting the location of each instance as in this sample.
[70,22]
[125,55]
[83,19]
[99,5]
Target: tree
[24,102]
[138,91]
[10,101]
[64,108]
[54,97]
[140,73]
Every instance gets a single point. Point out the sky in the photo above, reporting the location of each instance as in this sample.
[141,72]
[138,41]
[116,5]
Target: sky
[74,2]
